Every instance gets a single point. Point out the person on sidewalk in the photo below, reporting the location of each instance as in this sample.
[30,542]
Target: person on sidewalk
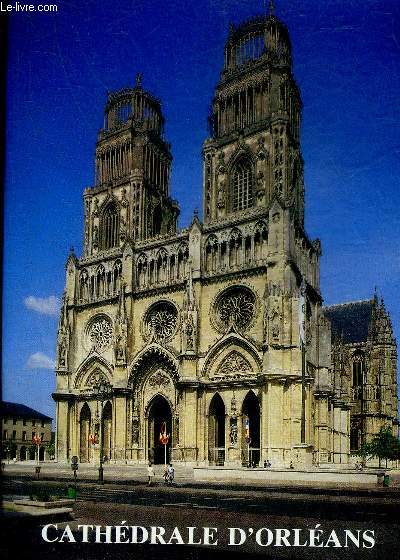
[170,474]
[150,473]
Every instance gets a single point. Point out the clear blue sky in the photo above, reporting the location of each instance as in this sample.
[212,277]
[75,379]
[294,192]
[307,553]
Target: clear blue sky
[347,64]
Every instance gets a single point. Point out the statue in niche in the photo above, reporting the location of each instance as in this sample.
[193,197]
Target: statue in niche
[260,186]
[122,230]
[119,347]
[177,430]
[275,332]
[275,320]
[189,317]
[124,201]
[233,433]
[63,335]
[265,321]
[96,208]
[62,355]
[189,333]
[95,237]
[135,431]
[221,195]
[121,330]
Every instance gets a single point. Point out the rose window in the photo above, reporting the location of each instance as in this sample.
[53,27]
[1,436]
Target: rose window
[100,333]
[235,307]
[161,322]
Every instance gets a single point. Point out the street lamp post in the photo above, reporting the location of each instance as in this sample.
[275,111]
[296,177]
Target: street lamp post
[102,391]
[37,440]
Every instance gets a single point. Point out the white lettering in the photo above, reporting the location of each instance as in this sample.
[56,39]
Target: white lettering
[334,539]
[157,534]
[85,532]
[191,536]
[135,537]
[270,536]
[368,536]
[210,533]
[44,533]
[281,536]
[175,537]
[232,535]
[67,534]
[106,534]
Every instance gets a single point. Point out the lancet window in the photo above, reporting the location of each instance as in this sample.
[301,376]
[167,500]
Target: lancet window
[211,253]
[100,282]
[358,369]
[110,226]
[239,250]
[242,186]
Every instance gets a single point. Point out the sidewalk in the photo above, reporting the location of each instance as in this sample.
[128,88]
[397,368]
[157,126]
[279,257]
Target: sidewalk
[137,475]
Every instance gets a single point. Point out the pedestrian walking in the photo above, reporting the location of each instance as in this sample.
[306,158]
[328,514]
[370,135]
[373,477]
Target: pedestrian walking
[150,473]
[170,474]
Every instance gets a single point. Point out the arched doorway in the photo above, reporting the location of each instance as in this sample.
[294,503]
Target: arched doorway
[159,414]
[22,453]
[107,419]
[216,431]
[84,420]
[251,430]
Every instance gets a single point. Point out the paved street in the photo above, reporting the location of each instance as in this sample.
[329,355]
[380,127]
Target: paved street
[210,505]
[138,474]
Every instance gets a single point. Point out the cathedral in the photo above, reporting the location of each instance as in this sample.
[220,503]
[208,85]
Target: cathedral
[213,341]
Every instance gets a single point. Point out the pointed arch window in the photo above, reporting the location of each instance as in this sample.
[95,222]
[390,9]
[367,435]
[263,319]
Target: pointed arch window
[242,186]
[358,369]
[110,227]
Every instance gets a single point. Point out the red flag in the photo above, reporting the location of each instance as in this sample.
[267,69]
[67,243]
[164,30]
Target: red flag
[164,437]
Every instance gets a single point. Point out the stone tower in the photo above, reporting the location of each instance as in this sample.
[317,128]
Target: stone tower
[133,161]
[255,126]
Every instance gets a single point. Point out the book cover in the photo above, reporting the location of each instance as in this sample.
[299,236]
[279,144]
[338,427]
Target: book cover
[200,279]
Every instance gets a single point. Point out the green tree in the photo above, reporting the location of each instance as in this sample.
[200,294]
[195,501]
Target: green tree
[9,449]
[384,445]
[51,450]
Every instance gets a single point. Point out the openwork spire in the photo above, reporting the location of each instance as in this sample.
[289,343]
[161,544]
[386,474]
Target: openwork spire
[271,7]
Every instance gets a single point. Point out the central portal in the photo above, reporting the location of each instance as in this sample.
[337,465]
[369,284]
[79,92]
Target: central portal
[160,421]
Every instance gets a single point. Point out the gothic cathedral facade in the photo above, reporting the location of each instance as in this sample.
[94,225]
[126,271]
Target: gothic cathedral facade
[214,334]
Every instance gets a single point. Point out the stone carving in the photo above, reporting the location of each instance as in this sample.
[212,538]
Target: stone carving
[159,379]
[100,333]
[233,433]
[189,317]
[221,195]
[275,319]
[265,317]
[235,308]
[233,406]
[95,237]
[122,230]
[96,208]
[161,322]
[260,186]
[124,201]
[95,378]
[121,330]
[176,425]
[63,336]
[234,364]
[135,431]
